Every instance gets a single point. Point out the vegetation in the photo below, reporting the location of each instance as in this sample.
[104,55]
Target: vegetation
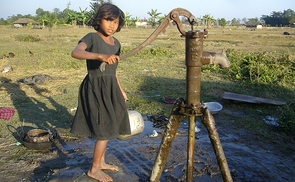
[285,18]
[154,14]
[84,17]
[262,65]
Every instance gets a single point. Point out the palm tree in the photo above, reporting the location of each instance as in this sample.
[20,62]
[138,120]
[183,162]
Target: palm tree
[94,5]
[83,16]
[128,19]
[208,20]
[154,16]
[52,19]
[73,18]
[161,19]
[42,19]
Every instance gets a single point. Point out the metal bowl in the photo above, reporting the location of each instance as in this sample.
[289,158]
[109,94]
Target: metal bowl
[37,139]
[136,124]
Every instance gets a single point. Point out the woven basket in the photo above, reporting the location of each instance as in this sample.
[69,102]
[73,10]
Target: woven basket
[6,113]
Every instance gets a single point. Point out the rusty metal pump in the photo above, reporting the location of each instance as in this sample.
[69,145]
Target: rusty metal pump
[190,107]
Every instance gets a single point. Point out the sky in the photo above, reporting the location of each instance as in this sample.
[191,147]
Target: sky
[227,9]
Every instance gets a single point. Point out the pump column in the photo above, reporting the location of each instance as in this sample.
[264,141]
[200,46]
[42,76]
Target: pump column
[193,55]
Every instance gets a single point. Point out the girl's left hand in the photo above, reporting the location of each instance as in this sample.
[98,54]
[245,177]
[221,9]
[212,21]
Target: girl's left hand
[125,95]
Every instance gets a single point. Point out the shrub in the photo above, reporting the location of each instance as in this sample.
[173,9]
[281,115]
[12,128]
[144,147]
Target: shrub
[270,68]
[27,38]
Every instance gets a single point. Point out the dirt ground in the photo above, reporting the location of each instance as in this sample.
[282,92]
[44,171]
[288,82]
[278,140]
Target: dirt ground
[249,157]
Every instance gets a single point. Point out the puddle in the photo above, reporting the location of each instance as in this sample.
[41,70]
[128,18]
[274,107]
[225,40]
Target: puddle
[135,158]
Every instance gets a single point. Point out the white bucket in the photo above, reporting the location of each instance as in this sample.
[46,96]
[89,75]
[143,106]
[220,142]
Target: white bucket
[136,125]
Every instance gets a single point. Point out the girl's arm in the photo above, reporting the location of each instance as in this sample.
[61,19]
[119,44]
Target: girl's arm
[80,53]
[121,88]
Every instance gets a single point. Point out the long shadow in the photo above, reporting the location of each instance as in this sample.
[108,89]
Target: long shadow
[34,112]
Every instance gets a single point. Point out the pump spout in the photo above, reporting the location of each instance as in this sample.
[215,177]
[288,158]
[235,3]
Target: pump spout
[215,58]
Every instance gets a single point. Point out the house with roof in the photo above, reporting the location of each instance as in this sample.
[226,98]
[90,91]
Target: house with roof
[23,22]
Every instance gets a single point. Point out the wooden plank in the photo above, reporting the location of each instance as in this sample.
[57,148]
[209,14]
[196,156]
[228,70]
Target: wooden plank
[250,99]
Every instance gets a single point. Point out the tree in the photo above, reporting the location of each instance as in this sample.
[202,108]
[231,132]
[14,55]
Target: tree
[83,16]
[2,21]
[209,20]
[154,15]
[235,22]
[128,20]
[253,21]
[161,19]
[222,22]
[73,18]
[94,5]
[51,20]
[42,19]
[64,16]
[289,16]
[285,18]
[61,16]
[244,20]
[198,21]
[40,12]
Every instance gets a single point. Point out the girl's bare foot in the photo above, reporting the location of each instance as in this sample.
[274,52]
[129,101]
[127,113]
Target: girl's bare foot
[99,175]
[109,167]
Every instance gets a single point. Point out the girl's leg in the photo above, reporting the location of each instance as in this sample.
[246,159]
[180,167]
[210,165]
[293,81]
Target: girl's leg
[104,165]
[99,163]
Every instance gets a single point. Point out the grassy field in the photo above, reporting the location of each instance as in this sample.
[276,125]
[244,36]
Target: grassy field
[157,71]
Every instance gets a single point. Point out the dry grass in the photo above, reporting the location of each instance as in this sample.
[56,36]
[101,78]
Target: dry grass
[144,78]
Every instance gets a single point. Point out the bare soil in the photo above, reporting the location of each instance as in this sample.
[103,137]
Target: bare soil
[250,157]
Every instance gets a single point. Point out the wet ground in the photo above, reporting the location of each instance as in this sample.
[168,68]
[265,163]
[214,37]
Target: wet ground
[249,157]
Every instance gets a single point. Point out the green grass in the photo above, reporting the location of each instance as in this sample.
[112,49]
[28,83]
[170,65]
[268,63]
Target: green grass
[157,71]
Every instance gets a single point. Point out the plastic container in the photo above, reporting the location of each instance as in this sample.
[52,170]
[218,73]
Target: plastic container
[214,107]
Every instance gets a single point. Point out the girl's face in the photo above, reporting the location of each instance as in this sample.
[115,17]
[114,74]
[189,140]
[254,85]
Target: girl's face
[109,27]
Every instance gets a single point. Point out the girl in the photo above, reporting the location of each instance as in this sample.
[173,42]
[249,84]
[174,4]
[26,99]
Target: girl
[102,112]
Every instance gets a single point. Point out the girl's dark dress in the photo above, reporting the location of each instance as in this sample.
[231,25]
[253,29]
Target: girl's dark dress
[102,112]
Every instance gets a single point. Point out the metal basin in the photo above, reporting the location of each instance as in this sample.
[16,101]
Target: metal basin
[37,139]
[136,124]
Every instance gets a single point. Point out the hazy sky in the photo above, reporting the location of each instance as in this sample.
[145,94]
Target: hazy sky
[227,9]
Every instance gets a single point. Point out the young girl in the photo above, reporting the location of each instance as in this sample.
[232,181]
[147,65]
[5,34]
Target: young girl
[102,112]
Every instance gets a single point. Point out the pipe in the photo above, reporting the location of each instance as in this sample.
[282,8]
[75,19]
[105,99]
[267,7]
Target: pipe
[215,58]
[209,122]
[193,52]
[191,149]
[164,149]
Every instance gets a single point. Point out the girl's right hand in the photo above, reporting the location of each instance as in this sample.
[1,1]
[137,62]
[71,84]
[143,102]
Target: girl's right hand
[110,59]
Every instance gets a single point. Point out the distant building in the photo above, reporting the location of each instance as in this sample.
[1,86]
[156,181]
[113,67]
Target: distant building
[141,23]
[23,22]
[258,26]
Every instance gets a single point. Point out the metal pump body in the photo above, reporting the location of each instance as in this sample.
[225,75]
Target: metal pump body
[190,107]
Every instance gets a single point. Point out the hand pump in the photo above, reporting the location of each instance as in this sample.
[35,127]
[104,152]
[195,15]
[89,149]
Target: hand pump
[195,57]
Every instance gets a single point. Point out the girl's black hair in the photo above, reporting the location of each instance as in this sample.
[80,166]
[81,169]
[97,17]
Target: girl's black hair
[110,10]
